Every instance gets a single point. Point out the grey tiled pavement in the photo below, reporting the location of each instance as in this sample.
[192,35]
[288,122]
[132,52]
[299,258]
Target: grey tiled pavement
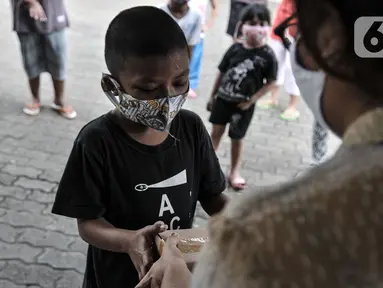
[38,249]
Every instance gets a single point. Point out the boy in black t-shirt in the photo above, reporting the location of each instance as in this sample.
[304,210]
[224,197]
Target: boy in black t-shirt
[141,168]
[247,71]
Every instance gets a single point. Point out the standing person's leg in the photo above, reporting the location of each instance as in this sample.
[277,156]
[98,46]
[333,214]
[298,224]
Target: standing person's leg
[291,113]
[280,54]
[31,47]
[220,115]
[239,125]
[235,13]
[216,135]
[195,68]
[55,55]
[319,143]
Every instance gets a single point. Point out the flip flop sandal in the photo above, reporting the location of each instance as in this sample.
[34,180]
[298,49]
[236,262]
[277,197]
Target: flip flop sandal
[32,109]
[65,111]
[266,104]
[290,115]
[238,185]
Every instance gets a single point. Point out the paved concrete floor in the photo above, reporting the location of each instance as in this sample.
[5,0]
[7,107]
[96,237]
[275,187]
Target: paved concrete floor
[38,249]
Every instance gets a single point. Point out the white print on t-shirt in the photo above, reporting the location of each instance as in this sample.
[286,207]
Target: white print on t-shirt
[233,78]
[167,206]
[178,179]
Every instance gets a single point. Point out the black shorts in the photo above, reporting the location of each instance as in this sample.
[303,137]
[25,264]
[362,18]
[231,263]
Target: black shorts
[224,112]
[235,13]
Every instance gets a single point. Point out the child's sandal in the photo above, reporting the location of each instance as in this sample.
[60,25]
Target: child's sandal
[65,111]
[266,104]
[290,114]
[32,109]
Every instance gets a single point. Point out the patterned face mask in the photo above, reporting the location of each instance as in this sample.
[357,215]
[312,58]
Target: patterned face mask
[157,113]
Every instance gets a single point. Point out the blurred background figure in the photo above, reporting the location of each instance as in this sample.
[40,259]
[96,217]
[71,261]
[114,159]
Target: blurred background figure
[285,75]
[196,60]
[40,26]
[247,71]
[236,7]
[190,19]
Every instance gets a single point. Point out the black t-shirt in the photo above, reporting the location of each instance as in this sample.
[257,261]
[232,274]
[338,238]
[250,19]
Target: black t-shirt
[245,71]
[132,185]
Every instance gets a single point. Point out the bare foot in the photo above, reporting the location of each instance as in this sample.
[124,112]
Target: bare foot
[236,182]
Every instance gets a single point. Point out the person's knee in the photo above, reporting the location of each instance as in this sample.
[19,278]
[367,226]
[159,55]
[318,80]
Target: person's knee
[237,142]
[217,132]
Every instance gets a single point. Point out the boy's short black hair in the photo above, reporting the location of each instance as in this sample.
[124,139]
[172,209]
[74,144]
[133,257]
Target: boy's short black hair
[140,32]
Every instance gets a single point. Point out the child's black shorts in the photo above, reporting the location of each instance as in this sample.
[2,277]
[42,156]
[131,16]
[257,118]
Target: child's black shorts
[224,112]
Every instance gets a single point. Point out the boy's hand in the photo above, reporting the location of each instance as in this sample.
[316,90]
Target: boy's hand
[141,251]
[210,104]
[171,257]
[245,105]
[36,11]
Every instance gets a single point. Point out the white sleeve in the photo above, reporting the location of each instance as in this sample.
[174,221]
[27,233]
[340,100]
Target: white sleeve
[195,35]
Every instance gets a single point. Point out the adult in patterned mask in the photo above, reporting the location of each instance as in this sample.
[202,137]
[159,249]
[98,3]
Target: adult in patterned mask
[141,168]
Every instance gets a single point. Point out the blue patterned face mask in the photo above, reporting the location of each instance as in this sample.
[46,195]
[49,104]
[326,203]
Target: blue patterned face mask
[157,113]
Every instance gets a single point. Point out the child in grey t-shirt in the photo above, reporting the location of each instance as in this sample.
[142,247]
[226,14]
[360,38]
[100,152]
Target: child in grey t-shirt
[188,18]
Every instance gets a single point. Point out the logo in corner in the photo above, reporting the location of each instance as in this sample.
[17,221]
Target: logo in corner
[368,37]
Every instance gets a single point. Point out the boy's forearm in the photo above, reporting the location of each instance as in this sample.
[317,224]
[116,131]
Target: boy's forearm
[101,234]
[265,89]
[214,204]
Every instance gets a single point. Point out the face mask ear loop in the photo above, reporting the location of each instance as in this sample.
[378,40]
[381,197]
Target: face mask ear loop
[175,138]
[167,128]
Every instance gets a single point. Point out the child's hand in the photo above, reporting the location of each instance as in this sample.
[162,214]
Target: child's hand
[140,251]
[245,105]
[209,105]
[171,257]
[36,11]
